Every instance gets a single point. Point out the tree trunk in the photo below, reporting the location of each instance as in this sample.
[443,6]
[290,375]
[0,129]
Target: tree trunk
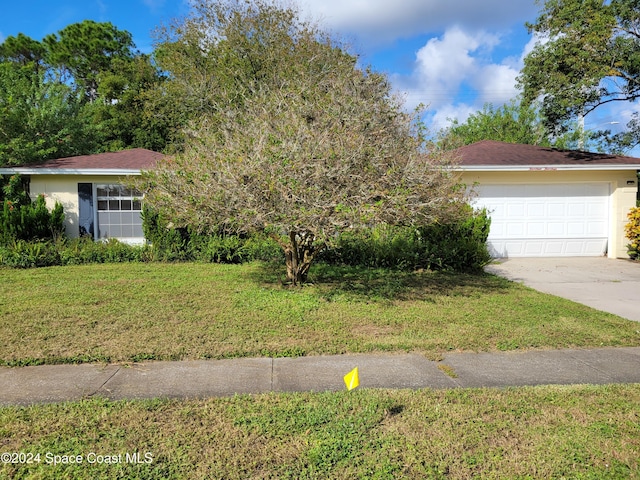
[299,254]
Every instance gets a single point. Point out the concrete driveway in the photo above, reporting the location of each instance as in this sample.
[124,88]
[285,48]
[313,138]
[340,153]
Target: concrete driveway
[610,285]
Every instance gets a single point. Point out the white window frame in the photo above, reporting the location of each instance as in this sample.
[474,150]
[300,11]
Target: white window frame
[133,196]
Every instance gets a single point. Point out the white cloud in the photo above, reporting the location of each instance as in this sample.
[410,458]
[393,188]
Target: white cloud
[536,39]
[102,8]
[382,21]
[446,66]
[442,117]
[453,72]
[614,116]
[496,84]
[455,76]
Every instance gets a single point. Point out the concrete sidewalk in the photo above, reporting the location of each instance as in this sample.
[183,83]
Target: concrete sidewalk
[212,378]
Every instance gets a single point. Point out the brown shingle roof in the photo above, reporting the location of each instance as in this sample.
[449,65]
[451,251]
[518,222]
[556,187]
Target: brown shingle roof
[493,153]
[134,159]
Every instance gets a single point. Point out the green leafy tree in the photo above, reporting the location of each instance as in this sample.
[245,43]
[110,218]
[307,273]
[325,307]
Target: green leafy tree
[293,137]
[81,52]
[512,123]
[23,50]
[121,114]
[590,57]
[78,92]
[39,119]
[517,123]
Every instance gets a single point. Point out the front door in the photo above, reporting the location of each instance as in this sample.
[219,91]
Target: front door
[86,213]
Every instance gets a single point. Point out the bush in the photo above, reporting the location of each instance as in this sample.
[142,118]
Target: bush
[23,219]
[84,250]
[186,244]
[459,246]
[168,243]
[23,254]
[632,231]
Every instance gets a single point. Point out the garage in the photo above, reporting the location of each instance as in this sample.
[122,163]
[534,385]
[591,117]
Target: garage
[545,202]
[547,220]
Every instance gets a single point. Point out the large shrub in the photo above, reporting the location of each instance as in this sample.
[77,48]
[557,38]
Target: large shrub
[23,219]
[459,246]
[168,243]
[632,231]
[186,244]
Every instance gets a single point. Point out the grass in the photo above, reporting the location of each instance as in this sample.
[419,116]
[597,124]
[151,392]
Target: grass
[125,313]
[132,312]
[588,432]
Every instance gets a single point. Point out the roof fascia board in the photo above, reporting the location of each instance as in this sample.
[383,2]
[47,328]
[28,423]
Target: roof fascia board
[69,171]
[542,168]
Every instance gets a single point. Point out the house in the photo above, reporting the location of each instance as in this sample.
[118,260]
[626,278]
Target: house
[91,190]
[546,202]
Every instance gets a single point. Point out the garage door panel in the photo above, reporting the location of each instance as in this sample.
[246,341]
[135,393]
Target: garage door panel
[597,229]
[536,229]
[576,209]
[596,210]
[574,247]
[533,248]
[495,208]
[547,219]
[514,249]
[553,248]
[575,229]
[499,230]
[556,209]
[595,246]
[536,210]
[556,229]
[515,209]
[515,229]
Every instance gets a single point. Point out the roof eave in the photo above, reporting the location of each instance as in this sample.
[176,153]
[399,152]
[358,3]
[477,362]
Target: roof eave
[69,171]
[543,168]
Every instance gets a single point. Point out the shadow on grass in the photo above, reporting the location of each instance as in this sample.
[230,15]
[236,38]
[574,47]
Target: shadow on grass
[332,282]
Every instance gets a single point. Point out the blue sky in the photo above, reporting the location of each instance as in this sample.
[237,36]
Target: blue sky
[452,55]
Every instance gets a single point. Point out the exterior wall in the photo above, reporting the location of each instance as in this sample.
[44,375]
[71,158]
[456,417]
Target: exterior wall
[623,188]
[64,189]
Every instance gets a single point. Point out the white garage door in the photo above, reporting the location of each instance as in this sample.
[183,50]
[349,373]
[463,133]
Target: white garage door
[547,219]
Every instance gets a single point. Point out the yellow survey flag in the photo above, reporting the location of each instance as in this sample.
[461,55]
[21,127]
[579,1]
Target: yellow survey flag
[351,379]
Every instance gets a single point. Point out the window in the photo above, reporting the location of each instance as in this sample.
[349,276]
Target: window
[119,211]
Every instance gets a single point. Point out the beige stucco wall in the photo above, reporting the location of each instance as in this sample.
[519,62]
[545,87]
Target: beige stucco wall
[623,188]
[64,189]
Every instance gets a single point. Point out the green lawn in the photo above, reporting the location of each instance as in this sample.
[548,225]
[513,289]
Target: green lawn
[129,312]
[585,432]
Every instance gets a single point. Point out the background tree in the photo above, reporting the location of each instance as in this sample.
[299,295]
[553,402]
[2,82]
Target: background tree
[23,50]
[511,123]
[39,119]
[516,123]
[80,91]
[590,57]
[293,136]
[81,52]
[121,113]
